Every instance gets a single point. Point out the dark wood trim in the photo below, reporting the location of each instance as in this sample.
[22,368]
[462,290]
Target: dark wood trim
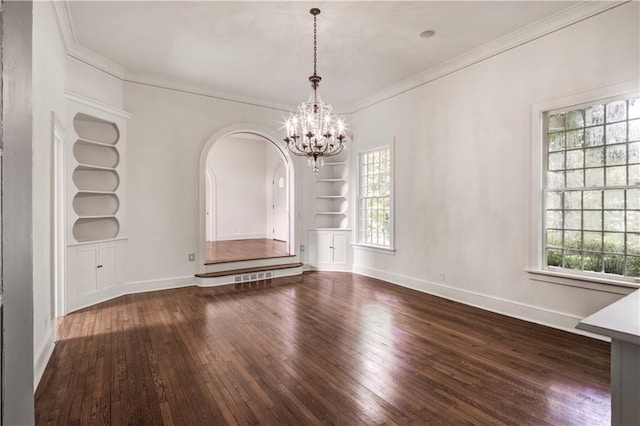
[249,270]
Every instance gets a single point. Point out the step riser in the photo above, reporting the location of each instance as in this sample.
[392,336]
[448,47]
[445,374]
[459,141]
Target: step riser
[230,266]
[248,277]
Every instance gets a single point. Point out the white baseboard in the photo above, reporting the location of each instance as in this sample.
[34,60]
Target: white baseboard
[130,288]
[42,356]
[161,284]
[240,237]
[535,314]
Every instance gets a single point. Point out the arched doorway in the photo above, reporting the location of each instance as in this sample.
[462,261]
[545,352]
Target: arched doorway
[234,205]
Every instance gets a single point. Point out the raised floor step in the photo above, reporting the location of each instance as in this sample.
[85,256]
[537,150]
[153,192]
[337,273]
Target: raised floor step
[244,258]
[249,270]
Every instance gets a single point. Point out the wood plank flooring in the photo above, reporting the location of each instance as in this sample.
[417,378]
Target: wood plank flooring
[250,249]
[320,348]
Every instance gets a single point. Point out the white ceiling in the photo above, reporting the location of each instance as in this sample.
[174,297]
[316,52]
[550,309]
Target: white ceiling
[264,50]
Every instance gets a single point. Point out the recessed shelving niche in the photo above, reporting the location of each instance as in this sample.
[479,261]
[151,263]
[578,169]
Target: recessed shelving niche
[95,129]
[331,189]
[95,229]
[95,154]
[96,179]
[95,204]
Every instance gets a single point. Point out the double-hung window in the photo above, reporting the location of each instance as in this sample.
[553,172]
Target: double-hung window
[375,203]
[592,189]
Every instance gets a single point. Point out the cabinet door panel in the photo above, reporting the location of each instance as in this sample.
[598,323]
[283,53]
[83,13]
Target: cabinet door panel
[86,277]
[324,247]
[340,249]
[107,272]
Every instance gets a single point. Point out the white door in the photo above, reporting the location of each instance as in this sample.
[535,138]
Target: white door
[87,274]
[280,211]
[324,247]
[107,267]
[339,249]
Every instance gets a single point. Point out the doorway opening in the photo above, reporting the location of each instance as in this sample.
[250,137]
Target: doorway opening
[248,195]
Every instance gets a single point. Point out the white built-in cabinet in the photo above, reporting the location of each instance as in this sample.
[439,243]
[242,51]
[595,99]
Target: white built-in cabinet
[95,193]
[330,249]
[329,240]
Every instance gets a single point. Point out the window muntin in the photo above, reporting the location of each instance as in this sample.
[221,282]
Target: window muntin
[592,190]
[374,198]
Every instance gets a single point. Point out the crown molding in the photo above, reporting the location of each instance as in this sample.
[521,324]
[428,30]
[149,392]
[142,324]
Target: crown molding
[76,50]
[553,23]
[556,22]
[179,85]
[72,96]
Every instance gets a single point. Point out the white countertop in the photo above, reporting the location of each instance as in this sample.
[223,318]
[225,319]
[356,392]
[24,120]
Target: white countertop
[620,320]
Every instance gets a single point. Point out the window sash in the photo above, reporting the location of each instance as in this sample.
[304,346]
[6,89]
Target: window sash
[375,212]
[608,250]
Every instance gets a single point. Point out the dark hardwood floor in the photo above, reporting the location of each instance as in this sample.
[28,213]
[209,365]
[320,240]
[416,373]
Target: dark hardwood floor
[251,249]
[320,348]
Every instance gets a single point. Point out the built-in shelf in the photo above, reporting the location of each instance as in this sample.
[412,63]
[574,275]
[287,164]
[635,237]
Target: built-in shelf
[92,142]
[89,191]
[96,154]
[94,129]
[82,166]
[331,189]
[96,179]
[87,204]
[87,179]
[95,228]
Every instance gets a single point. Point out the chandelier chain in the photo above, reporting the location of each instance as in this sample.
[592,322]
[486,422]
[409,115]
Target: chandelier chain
[315,45]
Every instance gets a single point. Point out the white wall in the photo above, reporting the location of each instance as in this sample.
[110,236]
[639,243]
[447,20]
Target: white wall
[93,83]
[48,97]
[240,169]
[462,168]
[165,138]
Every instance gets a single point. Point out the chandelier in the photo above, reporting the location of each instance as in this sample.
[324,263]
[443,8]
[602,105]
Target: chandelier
[313,131]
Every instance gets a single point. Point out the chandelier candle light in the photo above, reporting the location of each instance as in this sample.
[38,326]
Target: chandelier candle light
[314,132]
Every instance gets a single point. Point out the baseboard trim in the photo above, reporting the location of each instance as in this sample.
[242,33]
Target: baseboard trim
[43,356]
[161,284]
[241,237]
[131,288]
[547,317]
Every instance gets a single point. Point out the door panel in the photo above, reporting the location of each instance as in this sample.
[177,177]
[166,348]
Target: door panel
[107,270]
[324,247]
[340,249]
[87,260]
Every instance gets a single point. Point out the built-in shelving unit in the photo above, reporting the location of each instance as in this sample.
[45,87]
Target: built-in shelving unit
[330,204]
[329,238]
[95,164]
[96,179]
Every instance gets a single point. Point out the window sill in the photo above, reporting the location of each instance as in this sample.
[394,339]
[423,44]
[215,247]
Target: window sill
[582,281]
[375,249]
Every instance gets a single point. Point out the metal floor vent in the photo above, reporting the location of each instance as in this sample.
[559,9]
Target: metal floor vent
[253,277]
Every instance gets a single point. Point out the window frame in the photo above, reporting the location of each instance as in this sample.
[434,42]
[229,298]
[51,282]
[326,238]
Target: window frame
[390,249]
[537,269]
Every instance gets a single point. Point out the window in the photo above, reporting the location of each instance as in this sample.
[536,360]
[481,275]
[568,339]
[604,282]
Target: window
[592,189]
[375,213]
